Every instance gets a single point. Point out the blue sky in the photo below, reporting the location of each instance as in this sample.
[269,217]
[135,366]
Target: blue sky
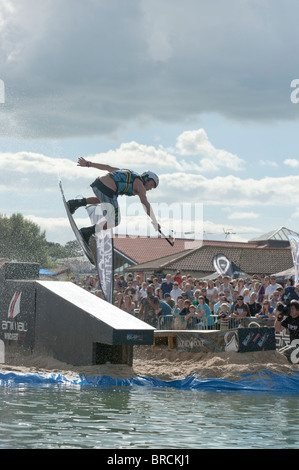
[198,91]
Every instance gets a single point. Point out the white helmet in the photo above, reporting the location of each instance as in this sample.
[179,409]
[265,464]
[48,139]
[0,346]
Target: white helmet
[150,176]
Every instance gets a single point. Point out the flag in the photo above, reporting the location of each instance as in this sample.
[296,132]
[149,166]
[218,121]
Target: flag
[104,252]
[294,244]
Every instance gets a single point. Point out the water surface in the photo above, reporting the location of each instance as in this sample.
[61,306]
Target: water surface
[70,417]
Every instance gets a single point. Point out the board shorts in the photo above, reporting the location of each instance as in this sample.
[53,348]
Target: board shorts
[109,202]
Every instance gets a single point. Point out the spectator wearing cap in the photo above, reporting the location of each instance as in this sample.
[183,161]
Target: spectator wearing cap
[176,291]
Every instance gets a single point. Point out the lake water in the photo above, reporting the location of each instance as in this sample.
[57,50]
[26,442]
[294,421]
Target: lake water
[75,417]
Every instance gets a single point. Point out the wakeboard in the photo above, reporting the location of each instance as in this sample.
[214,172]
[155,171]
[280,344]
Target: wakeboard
[91,254]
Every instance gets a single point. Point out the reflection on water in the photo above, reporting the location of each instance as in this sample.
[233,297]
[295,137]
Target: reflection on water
[143,417]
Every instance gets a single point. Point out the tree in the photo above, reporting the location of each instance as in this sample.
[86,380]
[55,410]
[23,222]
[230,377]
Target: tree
[22,240]
[69,250]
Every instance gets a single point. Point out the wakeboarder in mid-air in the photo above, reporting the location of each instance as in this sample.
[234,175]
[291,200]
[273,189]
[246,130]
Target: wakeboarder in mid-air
[107,188]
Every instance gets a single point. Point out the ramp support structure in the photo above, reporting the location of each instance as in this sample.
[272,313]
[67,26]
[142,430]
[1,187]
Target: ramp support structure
[63,321]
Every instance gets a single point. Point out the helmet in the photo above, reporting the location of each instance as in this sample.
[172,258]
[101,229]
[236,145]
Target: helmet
[149,175]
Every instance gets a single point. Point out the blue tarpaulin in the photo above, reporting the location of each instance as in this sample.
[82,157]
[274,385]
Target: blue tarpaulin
[45,272]
[263,381]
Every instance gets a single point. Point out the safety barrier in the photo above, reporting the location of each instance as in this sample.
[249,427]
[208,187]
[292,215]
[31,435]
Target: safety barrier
[211,322]
[178,322]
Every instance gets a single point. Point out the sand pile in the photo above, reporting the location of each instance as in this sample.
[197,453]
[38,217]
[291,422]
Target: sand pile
[170,365]
[163,364]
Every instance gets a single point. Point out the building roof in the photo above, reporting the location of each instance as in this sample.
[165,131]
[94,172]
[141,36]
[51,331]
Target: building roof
[152,254]
[144,249]
[280,234]
[159,263]
[249,259]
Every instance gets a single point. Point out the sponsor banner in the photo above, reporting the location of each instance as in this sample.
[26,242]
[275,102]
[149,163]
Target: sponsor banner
[104,244]
[256,339]
[222,265]
[238,339]
[212,341]
[17,314]
[225,267]
[294,244]
[104,252]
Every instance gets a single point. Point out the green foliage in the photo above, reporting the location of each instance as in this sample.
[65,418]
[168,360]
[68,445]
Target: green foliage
[69,250]
[22,240]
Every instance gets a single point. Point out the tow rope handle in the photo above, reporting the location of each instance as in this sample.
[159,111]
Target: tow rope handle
[167,238]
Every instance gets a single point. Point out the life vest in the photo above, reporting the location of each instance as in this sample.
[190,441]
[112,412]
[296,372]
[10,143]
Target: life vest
[124,180]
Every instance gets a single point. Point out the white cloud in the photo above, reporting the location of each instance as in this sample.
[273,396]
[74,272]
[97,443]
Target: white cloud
[196,142]
[135,155]
[268,163]
[292,162]
[36,172]
[29,173]
[238,233]
[236,191]
[192,143]
[243,215]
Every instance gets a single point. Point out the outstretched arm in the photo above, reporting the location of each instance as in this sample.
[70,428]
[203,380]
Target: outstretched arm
[148,209]
[99,166]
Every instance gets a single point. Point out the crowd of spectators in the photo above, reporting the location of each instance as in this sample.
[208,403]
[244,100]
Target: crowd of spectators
[196,303]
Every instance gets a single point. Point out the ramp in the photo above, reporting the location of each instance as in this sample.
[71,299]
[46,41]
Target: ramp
[77,327]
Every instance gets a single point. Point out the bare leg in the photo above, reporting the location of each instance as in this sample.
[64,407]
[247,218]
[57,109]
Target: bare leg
[92,200]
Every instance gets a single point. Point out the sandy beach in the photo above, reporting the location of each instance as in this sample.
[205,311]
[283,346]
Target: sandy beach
[164,364]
